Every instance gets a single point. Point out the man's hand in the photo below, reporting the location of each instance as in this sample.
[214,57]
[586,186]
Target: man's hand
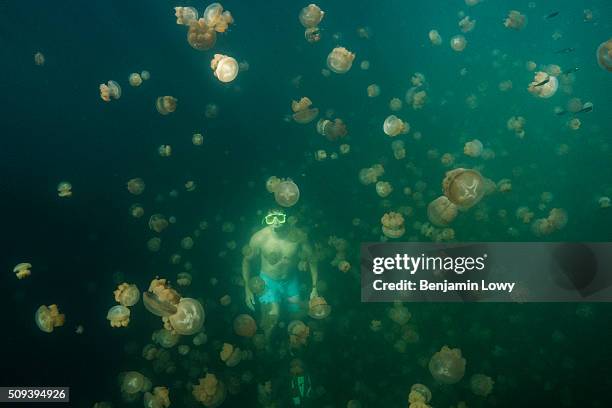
[249,299]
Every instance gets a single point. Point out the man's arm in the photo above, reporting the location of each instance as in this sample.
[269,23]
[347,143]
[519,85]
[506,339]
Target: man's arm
[312,265]
[249,252]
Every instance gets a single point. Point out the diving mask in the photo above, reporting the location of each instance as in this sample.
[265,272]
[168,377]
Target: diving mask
[275,217]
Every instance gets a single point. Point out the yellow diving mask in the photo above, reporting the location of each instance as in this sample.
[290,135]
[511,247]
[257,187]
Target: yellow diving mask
[275,217]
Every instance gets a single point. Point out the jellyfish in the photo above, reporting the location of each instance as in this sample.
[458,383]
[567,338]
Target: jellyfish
[230,355]
[441,211]
[463,187]
[340,60]
[197,139]
[210,391]
[118,316]
[110,90]
[419,393]
[211,111]
[244,325]
[393,225]
[216,18]
[373,91]
[133,382]
[365,65]
[466,25]
[185,15]
[201,36]
[22,270]
[370,175]
[298,334]
[303,112]
[447,365]
[127,294]
[418,79]
[399,314]
[604,202]
[416,98]
[158,223]
[481,384]
[225,68]
[187,243]
[312,34]
[473,148]
[395,104]
[145,75]
[64,189]
[383,188]
[135,79]
[458,43]
[318,308]
[543,85]
[604,55]
[154,244]
[399,150]
[344,266]
[344,148]
[39,59]
[160,299]
[504,185]
[311,16]
[160,398]
[393,126]
[332,130]
[48,318]
[136,186]
[287,193]
[434,37]
[517,124]
[166,338]
[166,104]
[515,20]
[574,124]
[189,317]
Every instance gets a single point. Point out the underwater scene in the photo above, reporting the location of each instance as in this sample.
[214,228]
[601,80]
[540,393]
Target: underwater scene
[187,186]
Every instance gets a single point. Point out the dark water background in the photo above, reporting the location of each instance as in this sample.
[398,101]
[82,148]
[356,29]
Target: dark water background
[54,127]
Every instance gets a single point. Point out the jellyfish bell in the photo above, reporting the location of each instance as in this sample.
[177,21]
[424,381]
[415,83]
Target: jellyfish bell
[158,307]
[393,126]
[441,211]
[166,338]
[166,104]
[447,366]
[224,68]
[216,18]
[22,270]
[272,184]
[118,316]
[145,75]
[340,60]
[373,91]
[287,193]
[110,90]
[604,55]
[458,43]
[201,36]
[393,225]
[210,391]
[481,384]
[318,308]
[136,186]
[127,294]
[245,326]
[473,148]
[463,187]
[303,112]
[311,16]
[135,79]
[189,317]
[515,20]
[48,318]
[39,59]
[434,37]
[332,130]
[185,15]
[543,85]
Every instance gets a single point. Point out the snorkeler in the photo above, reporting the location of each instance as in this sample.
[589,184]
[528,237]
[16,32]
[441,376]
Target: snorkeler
[279,247]
[301,385]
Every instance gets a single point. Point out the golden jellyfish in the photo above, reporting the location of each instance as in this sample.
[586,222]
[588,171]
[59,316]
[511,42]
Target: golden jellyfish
[166,338]
[158,223]
[604,202]
[365,65]
[189,317]
[466,24]
[318,308]
[303,111]
[434,37]
[517,124]
[183,279]
[245,326]
[160,299]
[505,85]
[197,139]
[340,60]
[472,3]
[64,189]
[604,55]
[311,16]
[373,91]
[133,382]
[230,355]
[463,187]
[110,90]
[136,186]
[332,130]
[135,79]
[160,398]
[393,225]
[166,104]
[344,266]
[185,15]
[210,391]
[473,148]
[187,243]
[574,124]
[419,393]
[458,43]
[312,34]
[216,18]
[22,270]
[504,185]
[364,32]
[154,244]
[481,384]
[447,366]
[190,185]
[200,339]
[395,104]
[225,68]
[344,148]
[383,188]
[127,294]
[243,66]
[39,59]
[441,211]
[48,318]
[393,126]
[515,20]
[418,79]
[272,184]
[320,155]
[211,111]
[118,316]
[145,75]
[399,149]
[370,175]
[543,85]
[416,98]
[287,193]
[200,35]
[298,333]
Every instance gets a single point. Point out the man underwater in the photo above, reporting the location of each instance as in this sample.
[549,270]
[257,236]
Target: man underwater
[280,247]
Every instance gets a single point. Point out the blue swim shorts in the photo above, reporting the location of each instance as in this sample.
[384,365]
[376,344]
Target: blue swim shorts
[278,290]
